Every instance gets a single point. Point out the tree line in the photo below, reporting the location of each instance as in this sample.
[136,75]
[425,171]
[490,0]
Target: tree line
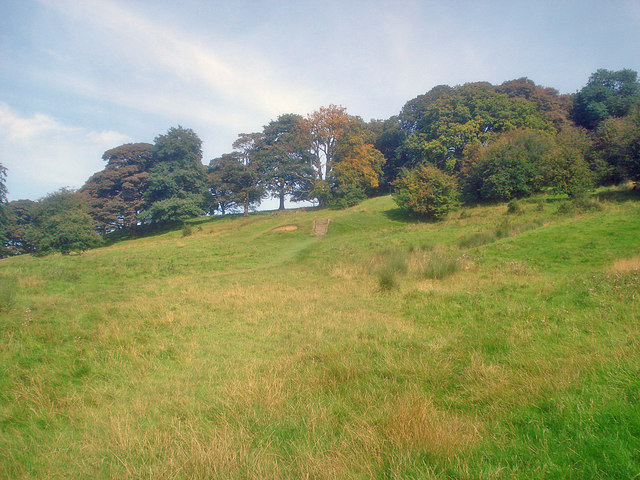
[475,142]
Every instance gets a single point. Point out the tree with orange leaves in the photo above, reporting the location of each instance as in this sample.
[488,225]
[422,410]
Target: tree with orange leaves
[326,126]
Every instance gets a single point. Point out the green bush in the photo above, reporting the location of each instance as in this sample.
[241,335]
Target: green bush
[427,192]
[347,196]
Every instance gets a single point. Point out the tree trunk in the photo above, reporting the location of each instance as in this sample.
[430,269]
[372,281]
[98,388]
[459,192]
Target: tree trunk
[246,208]
[281,207]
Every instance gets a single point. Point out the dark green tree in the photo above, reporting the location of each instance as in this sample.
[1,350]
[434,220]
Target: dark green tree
[607,94]
[16,228]
[60,222]
[177,184]
[617,143]
[389,137]
[116,194]
[234,183]
[285,159]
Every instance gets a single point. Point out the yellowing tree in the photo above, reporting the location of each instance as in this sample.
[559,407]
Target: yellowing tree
[325,126]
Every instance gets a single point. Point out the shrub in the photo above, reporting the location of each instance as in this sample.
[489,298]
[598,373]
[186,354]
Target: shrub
[427,192]
[347,196]
[509,167]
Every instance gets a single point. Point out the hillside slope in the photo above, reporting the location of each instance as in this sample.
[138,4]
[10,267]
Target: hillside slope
[489,345]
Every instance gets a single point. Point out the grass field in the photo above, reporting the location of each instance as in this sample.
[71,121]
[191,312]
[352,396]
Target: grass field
[487,346]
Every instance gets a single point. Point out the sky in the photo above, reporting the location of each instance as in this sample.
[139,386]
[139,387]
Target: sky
[78,77]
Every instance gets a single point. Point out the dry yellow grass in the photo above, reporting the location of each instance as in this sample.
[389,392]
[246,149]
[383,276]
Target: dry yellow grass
[626,265]
[417,423]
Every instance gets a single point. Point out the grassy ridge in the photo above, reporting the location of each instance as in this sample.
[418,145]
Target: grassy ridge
[486,346]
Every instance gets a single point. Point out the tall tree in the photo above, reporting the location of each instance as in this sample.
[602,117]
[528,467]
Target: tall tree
[509,167]
[286,158]
[234,183]
[607,94]
[358,164]
[116,194]
[177,185]
[326,125]
[388,139]
[617,143]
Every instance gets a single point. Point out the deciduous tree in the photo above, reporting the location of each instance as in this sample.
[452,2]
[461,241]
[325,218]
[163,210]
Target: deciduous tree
[234,183]
[607,94]
[442,124]
[325,126]
[285,157]
[116,194]
[358,164]
[17,223]
[177,185]
[60,222]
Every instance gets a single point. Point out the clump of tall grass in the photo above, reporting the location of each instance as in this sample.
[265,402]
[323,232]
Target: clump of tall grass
[436,263]
[503,229]
[392,264]
[440,264]
[514,208]
[187,230]
[476,239]
[7,293]
[580,204]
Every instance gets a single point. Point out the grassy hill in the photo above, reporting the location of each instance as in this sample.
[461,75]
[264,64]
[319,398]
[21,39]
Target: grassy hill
[490,345]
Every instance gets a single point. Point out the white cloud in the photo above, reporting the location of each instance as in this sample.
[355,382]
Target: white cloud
[42,154]
[151,67]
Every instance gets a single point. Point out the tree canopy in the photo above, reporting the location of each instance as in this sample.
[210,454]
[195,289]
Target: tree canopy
[607,94]
[441,123]
[116,194]
[177,183]
[286,158]
[60,222]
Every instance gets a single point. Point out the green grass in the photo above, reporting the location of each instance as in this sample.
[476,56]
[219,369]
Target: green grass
[243,351]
